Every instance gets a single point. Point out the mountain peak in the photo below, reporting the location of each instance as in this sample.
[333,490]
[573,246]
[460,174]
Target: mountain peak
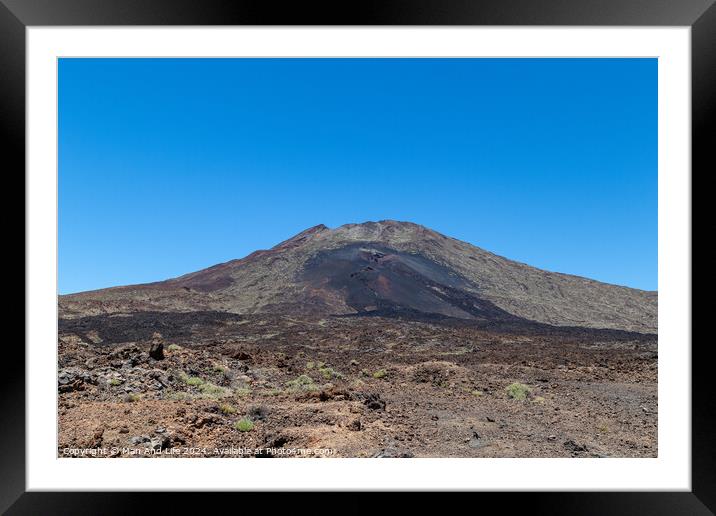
[386,268]
[385,231]
[389,231]
[385,223]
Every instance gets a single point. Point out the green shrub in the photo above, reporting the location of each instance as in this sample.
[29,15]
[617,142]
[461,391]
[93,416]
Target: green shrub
[220,368]
[244,425]
[518,391]
[242,392]
[227,409]
[302,383]
[329,373]
[380,373]
[193,381]
[206,389]
[173,347]
[115,381]
[310,365]
[209,390]
[132,397]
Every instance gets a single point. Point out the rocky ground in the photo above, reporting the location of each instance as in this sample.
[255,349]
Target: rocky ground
[216,384]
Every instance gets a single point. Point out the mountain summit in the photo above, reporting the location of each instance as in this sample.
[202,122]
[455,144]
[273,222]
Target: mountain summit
[384,268]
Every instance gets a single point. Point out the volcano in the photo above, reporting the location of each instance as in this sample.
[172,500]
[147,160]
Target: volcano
[389,269]
[382,339]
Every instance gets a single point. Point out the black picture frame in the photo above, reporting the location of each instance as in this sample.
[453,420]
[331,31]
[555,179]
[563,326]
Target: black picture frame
[700,15]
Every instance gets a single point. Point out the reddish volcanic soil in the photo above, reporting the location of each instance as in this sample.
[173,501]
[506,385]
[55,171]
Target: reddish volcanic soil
[218,384]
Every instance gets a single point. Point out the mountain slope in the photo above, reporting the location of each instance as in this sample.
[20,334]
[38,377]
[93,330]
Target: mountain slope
[383,268]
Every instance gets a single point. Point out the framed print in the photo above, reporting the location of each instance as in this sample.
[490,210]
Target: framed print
[407,249]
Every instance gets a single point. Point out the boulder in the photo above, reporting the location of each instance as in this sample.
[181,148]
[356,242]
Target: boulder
[156,350]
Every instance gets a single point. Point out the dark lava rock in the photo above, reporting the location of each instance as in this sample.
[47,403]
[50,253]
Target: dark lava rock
[130,363]
[354,425]
[156,351]
[240,355]
[205,420]
[73,379]
[159,442]
[277,442]
[374,402]
[575,447]
[139,439]
[431,373]
[258,413]
[160,377]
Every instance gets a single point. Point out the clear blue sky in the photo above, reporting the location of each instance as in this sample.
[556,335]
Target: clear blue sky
[167,166]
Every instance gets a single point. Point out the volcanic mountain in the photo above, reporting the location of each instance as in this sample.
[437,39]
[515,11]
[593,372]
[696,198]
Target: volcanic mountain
[386,268]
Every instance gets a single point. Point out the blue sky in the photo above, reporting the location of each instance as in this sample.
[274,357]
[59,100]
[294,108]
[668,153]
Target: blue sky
[167,166]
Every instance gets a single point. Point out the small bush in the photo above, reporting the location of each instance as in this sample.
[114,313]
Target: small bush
[227,409]
[206,389]
[244,425]
[518,391]
[476,393]
[380,373]
[274,392]
[310,365]
[115,381]
[220,368]
[177,395]
[329,373]
[209,390]
[173,347]
[193,381]
[242,392]
[302,383]
[132,397]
